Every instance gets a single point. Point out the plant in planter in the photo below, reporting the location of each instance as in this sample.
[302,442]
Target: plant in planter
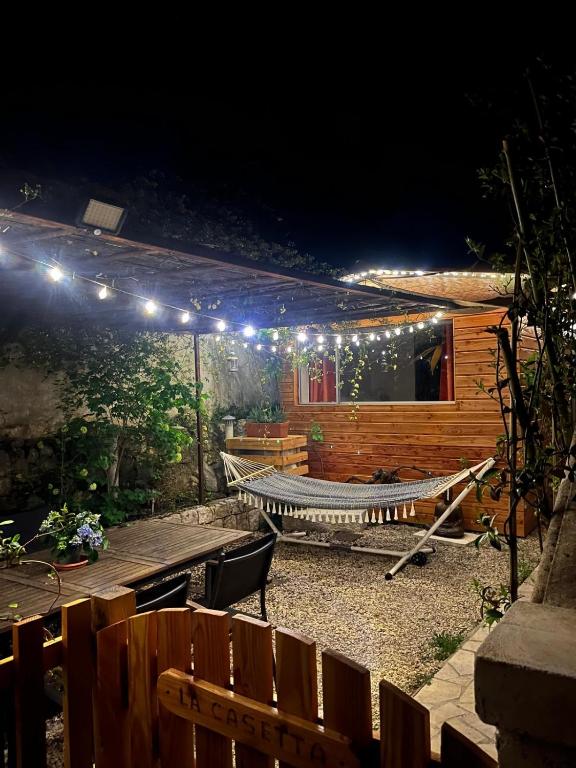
[266,421]
[11,550]
[76,537]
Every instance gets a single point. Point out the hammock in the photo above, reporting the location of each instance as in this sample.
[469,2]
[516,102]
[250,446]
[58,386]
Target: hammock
[325,501]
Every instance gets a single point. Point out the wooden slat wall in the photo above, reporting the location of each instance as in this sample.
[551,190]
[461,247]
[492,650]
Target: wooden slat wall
[433,437]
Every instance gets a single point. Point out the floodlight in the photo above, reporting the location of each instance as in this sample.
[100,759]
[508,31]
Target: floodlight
[103,216]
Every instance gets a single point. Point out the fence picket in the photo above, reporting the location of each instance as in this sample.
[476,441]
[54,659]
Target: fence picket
[77,670]
[457,750]
[27,639]
[176,735]
[111,737]
[346,701]
[211,652]
[296,676]
[404,729]
[253,676]
[142,678]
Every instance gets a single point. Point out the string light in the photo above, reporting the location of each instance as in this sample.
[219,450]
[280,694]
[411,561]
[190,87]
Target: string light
[245,345]
[55,274]
[258,347]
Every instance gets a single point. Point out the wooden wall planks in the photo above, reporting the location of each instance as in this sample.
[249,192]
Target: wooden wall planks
[431,436]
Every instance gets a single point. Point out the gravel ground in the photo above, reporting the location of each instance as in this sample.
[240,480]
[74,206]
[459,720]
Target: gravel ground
[341,600]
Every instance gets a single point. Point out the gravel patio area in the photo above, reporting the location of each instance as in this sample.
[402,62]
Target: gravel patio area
[342,601]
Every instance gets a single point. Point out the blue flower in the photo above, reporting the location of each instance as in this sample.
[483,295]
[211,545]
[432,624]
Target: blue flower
[85,531]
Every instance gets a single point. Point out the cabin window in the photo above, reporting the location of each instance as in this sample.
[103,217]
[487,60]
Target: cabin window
[415,366]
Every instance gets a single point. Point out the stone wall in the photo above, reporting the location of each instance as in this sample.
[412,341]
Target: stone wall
[30,412]
[225,513]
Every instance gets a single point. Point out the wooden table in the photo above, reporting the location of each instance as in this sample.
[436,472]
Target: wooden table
[137,553]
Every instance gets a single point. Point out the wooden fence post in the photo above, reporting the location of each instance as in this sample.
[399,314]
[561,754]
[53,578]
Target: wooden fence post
[112,605]
[28,638]
[211,651]
[296,676]
[347,701]
[253,676]
[78,670]
[404,729]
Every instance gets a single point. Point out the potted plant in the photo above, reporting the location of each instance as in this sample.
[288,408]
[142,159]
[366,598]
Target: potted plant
[76,537]
[266,421]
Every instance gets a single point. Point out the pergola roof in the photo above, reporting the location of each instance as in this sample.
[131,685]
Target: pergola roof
[472,288]
[236,290]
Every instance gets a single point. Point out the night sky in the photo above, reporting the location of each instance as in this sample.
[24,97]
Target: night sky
[355,166]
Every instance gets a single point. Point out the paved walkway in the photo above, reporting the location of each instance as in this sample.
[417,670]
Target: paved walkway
[450,695]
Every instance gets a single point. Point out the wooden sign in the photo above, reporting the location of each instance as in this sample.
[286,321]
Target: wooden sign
[295,741]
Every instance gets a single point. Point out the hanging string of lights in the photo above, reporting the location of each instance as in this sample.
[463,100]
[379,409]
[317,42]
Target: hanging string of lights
[309,339]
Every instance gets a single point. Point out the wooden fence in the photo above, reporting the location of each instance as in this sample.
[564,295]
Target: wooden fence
[175,687]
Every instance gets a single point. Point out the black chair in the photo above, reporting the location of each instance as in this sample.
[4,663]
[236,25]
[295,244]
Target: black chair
[171,593]
[238,574]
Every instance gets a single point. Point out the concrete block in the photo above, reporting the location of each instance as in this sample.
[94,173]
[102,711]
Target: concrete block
[526,674]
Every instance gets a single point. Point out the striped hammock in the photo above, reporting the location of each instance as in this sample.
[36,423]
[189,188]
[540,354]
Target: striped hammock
[330,502]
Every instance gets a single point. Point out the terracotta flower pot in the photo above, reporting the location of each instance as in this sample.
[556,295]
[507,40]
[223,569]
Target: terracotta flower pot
[261,429]
[70,566]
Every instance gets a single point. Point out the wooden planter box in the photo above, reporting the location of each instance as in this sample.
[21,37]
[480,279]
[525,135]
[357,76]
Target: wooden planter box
[259,429]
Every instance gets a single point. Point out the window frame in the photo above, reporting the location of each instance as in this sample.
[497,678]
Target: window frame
[340,402]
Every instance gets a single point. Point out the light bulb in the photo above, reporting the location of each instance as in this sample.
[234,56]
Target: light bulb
[103,292]
[221,326]
[420,325]
[289,349]
[301,336]
[357,343]
[372,337]
[320,339]
[355,338]
[387,334]
[249,331]
[398,331]
[435,320]
[338,339]
[439,314]
[273,348]
[320,347]
[150,307]
[55,274]
[258,347]
[185,317]
[411,329]
[218,338]
[245,345]
[275,336]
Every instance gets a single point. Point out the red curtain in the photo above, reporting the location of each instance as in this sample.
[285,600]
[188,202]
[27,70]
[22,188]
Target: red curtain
[322,384]
[447,365]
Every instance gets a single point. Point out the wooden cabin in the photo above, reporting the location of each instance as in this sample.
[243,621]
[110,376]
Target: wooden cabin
[404,423]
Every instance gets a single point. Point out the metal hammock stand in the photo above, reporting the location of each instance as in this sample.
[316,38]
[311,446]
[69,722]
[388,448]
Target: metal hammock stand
[274,492]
